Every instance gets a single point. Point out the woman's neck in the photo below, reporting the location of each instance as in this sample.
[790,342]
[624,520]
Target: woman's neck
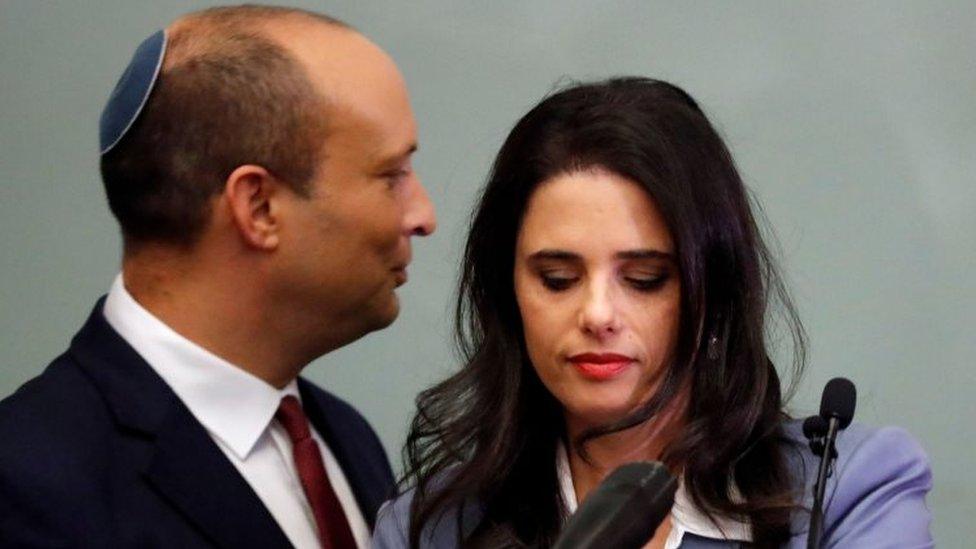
[644,442]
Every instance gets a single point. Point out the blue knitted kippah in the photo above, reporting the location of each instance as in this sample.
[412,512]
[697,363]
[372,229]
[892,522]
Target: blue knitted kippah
[131,92]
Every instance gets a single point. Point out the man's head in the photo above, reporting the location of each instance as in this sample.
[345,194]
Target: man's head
[227,95]
[277,142]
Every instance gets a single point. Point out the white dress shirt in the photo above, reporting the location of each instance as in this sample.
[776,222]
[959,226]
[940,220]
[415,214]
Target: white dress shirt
[685,517]
[237,409]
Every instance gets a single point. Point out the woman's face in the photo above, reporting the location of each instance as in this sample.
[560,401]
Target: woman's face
[598,288]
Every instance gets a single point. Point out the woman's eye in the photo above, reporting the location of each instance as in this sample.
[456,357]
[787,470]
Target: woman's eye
[556,283]
[646,283]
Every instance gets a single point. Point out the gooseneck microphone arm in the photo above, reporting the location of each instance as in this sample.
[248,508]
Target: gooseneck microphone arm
[836,412]
[816,514]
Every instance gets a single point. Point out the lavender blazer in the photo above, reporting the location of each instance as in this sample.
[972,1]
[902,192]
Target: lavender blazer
[875,497]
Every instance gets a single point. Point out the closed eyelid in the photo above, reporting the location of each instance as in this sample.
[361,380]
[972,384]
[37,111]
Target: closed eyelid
[648,264]
[557,280]
[549,267]
[558,273]
[556,269]
[646,271]
[401,165]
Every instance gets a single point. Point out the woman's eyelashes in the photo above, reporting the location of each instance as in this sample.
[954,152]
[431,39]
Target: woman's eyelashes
[558,281]
[646,282]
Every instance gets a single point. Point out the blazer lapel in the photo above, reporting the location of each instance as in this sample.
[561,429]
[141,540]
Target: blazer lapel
[183,463]
[692,541]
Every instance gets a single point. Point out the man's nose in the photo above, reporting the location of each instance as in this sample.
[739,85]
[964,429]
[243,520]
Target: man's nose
[419,218]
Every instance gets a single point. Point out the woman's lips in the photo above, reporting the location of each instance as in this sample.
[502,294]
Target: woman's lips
[600,366]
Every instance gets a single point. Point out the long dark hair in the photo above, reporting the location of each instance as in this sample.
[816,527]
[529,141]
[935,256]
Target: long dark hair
[487,435]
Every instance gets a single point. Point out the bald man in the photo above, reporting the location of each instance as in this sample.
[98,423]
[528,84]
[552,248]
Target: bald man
[258,161]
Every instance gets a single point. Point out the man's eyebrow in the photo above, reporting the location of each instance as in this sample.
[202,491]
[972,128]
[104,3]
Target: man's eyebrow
[401,154]
[410,149]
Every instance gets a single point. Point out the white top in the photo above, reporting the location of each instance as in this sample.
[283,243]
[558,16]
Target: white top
[237,409]
[685,517]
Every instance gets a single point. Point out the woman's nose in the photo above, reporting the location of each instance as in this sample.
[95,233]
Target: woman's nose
[598,315]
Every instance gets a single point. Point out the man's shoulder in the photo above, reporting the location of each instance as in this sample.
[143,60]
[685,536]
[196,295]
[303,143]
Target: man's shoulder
[327,400]
[54,433]
[61,402]
[344,424]
[341,416]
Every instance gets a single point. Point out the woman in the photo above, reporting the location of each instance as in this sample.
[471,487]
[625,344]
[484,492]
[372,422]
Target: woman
[613,308]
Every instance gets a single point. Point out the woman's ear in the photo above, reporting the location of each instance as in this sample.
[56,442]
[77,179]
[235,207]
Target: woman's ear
[249,190]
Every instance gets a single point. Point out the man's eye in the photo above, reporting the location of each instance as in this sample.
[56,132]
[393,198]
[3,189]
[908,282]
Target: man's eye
[396,176]
[557,283]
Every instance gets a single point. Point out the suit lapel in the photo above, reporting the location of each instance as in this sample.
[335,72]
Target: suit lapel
[190,472]
[185,466]
[354,460]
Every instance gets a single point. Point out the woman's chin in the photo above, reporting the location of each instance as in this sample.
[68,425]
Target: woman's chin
[592,413]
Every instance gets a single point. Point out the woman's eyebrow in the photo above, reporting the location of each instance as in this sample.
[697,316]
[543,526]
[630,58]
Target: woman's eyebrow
[644,254]
[554,254]
[564,255]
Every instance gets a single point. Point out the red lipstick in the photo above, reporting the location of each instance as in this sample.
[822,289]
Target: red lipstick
[600,366]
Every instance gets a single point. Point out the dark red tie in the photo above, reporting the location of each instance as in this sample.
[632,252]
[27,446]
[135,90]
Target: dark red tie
[334,532]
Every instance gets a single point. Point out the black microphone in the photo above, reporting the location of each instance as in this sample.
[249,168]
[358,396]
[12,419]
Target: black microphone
[623,511]
[836,412]
[838,401]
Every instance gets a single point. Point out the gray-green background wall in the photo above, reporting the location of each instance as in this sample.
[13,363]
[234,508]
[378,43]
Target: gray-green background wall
[854,123]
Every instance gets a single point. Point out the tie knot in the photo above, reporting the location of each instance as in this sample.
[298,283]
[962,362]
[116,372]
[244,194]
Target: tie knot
[292,418]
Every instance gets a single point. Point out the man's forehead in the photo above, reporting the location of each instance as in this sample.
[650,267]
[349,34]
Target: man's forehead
[365,131]
[366,97]
[331,54]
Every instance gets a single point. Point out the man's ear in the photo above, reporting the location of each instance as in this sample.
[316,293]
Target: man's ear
[249,191]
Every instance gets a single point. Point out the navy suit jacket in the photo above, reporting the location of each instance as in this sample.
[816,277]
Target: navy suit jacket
[98,451]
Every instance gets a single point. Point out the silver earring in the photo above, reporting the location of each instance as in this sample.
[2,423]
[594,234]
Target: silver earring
[713,347]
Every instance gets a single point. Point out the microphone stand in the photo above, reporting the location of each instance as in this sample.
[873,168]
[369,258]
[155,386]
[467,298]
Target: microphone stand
[836,411]
[826,458]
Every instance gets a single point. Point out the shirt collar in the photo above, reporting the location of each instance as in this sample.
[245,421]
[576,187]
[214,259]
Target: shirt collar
[233,405]
[685,517]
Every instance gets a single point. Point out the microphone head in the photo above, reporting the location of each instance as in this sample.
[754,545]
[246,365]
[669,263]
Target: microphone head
[814,426]
[838,401]
[623,511]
